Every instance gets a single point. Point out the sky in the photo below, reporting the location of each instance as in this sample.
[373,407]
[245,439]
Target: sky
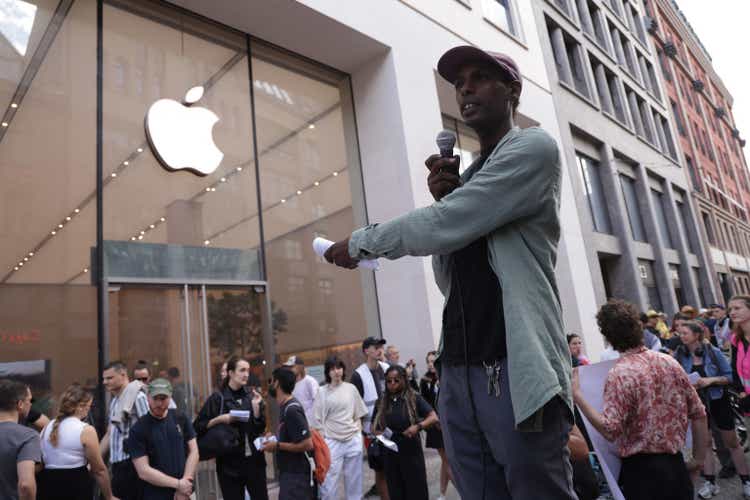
[723,28]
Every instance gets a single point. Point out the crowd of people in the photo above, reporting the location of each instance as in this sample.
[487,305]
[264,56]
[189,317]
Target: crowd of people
[151,449]
[692,370]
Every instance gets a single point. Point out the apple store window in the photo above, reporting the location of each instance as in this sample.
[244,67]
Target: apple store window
[309,170]
[48,307]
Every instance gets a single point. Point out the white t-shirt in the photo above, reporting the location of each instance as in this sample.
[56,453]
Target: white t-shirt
[338,411]
[305,391]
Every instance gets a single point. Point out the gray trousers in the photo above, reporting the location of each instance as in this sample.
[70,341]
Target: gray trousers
[489,458]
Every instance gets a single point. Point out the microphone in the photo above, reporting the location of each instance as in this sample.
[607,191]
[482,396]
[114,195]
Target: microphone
[445,141]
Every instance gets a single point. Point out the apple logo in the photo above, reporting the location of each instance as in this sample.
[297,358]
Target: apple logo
[180,134]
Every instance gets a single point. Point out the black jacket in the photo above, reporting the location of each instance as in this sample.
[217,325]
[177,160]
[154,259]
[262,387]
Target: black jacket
[234,463]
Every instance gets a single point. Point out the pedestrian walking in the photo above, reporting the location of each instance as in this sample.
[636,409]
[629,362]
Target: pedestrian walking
[128,404]
[293,441]
[576,355]
[712,373]
[306,387]
[429,388]
[337,413]
[502,319]
[648,404]
[19,445]
[402,415]
[369,379]
[70,452]
[243,467]
[163,447]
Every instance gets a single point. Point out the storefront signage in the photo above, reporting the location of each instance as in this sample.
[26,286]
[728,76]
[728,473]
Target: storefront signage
[180,134]
[16,337]
[151,261]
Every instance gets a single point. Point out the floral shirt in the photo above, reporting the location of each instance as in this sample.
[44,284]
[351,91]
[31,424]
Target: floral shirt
[648,402]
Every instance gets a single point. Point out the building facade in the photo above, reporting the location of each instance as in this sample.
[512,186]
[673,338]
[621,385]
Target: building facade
[112,246]
[632,192]
[701,109]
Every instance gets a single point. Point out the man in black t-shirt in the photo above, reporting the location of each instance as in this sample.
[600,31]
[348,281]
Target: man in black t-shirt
[293,440]
[163,447]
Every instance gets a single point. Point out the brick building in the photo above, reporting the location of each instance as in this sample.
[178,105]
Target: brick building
[701,109]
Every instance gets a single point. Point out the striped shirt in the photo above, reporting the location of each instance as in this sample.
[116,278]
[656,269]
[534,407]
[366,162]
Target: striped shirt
[119,433]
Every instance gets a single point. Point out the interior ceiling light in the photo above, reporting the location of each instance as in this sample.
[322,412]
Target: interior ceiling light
[299,192]
[77,210]
[163,219]
[14,105]
[316,183]
[5,124]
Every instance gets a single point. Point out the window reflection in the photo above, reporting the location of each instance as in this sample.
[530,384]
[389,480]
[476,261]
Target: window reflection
[48,308]
[16,21]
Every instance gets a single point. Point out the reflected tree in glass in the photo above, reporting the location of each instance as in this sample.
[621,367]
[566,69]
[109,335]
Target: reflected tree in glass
[236,325]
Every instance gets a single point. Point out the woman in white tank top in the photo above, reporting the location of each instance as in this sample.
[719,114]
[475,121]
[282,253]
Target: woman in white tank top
[68,446]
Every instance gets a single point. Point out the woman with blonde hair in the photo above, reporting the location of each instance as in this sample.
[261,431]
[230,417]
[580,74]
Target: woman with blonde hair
[69,448]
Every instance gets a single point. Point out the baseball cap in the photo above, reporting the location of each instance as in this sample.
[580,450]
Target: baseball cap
[716,306]
[294,360]
[451,62]
[160,387]
[372,341]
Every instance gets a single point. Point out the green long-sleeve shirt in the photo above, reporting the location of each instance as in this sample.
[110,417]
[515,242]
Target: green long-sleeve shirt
[513,199]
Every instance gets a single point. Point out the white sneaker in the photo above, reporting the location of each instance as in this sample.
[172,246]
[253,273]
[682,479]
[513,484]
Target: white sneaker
[709,489]
[746,489]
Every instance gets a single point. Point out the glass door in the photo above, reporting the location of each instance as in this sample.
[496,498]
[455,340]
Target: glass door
[185,333]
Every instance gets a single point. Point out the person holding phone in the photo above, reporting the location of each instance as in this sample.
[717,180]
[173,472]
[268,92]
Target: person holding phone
[243,467]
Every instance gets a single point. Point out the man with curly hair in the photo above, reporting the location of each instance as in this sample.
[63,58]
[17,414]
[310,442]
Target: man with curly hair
[648,403]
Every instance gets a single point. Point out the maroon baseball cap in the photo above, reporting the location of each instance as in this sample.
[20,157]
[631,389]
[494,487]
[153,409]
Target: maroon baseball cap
[452,61]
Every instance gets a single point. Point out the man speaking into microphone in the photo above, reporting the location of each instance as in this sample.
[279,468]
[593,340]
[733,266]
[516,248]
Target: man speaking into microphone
[505,401]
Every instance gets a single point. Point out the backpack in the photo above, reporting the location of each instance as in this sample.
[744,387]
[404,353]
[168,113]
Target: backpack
[321,455]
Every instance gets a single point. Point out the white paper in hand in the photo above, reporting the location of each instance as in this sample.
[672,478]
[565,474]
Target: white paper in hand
[241,415]
[320,245]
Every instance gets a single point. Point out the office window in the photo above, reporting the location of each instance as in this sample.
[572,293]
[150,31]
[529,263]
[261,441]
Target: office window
[618,101]
[600,26]
[649,282]
[653,82]
[664,64]
[678,118]
[564,6]
[659,201]
[634,213]
[500,13]
[638,22]
[683,215]
[616,6]
[709,228]
[670,146]
[693,173]
[592,186]
[601,85]
[635,114]
[647,122]
[568,59]
[630,57]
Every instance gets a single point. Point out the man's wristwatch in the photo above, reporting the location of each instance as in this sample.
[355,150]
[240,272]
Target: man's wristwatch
[419,426]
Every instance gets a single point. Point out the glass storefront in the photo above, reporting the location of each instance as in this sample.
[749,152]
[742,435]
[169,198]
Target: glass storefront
[197,266]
